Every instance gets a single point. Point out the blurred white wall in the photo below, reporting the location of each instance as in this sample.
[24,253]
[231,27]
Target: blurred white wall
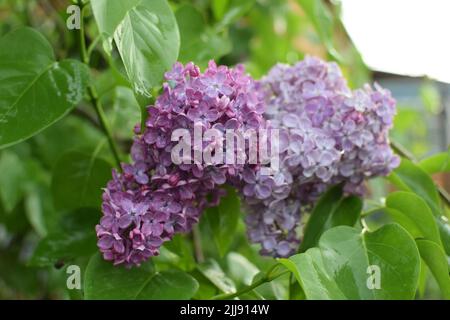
[408,37]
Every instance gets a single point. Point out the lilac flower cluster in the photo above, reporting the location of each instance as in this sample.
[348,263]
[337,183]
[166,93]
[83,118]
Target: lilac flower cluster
[152,199]
[329,135]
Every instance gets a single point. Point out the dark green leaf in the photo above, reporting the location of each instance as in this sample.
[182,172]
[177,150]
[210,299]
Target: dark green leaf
[339,267]
[78,180]
[346,213]
[36,91]
[75,238]
[331,210]
[103,280]
[169,285]
[206,288]
[199,43]
[11,180]
[223,220]
[182,248]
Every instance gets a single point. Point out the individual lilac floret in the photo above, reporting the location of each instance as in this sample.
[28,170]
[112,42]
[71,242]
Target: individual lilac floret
[154,198]
[329,135]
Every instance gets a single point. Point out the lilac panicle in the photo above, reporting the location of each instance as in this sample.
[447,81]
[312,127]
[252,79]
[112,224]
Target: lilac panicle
[153,198]
[329,133]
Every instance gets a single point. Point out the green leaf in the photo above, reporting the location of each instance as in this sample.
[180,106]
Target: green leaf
[182,248]
[214,273]
[241,269]
[423,279]
[78,180]
[146,35]
[206,288]
[439,162]
[34,211]
[109,14]
[35,90]
[322,20]
[223,220]
[444,231]
[219,7]
[236,9]
[75,238]
[169,285]
[339,267]
[103,280]
[316,224]
[347,212]
[413,211]
[436,261]
[331,210]
[199,43]
[11,180]
[410,177]
[125,112]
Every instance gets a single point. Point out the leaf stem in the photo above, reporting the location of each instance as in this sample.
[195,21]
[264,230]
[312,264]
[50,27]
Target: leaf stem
[266,278]
[196,237]
[92,93]
[104,124]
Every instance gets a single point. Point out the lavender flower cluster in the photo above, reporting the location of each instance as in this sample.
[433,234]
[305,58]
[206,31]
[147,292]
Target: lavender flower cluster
[152,199]
[329,135]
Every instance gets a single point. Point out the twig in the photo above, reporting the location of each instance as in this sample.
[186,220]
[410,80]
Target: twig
[267,278]
[80,113]
[93,93]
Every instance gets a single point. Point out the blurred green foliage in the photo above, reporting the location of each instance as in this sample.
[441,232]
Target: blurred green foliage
[33,226]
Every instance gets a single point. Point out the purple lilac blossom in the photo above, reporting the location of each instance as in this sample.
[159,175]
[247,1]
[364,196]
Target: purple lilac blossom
[330,135]
[153,198]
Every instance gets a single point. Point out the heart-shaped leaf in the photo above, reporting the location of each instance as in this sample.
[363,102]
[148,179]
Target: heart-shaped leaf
[348,264]
[410,177]
[410,210]
[146,35]
[103,280]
